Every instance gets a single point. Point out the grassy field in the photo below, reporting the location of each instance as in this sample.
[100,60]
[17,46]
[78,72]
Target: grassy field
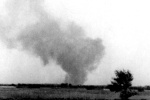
[63,93]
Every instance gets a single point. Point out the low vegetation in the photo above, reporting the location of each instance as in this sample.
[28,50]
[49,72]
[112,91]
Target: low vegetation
[48,93]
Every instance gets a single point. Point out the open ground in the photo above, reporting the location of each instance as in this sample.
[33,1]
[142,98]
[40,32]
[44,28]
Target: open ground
[47,93]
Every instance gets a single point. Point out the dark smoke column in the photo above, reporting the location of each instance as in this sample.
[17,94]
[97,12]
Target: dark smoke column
[75,53]
[68,46]
[78,59]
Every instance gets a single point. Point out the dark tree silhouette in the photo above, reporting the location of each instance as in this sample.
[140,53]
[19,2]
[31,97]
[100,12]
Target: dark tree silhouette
[122,83]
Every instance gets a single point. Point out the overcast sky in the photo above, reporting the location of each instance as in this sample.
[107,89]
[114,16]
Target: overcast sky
[123,26]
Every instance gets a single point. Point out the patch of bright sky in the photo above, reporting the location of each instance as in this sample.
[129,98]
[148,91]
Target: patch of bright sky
[124,27]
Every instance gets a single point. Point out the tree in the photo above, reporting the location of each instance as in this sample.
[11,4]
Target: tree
[122,83]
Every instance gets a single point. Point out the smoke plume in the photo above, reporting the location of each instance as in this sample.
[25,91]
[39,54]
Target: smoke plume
[68,45]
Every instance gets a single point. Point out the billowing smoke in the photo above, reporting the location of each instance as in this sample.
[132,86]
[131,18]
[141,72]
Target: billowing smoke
[68,45]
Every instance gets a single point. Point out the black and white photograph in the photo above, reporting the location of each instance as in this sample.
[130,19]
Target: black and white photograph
[74,50]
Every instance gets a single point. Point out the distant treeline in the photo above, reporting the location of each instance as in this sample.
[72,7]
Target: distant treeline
[66,85]
[138,88]
[63,85]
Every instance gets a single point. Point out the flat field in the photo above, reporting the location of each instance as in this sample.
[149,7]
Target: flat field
[11,93]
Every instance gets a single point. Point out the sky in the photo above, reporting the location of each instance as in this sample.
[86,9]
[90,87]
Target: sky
[123,27]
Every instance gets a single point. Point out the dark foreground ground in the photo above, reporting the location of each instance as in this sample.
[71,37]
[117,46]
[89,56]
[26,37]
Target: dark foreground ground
[12,93]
